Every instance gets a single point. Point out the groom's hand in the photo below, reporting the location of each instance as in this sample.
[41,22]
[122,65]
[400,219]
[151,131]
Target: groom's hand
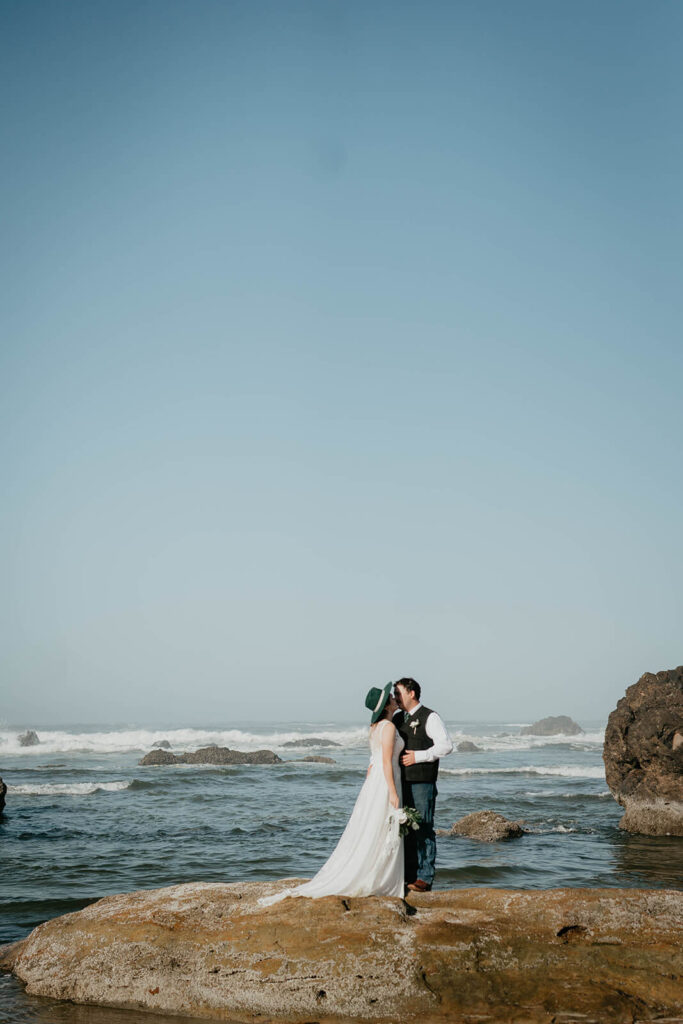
[408,758]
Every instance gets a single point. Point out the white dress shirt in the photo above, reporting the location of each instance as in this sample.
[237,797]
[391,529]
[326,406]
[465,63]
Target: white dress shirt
[437,732]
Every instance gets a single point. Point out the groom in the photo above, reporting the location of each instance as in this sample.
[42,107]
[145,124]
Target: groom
[426,740]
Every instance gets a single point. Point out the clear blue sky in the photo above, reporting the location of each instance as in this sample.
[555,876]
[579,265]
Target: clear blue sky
[340,341]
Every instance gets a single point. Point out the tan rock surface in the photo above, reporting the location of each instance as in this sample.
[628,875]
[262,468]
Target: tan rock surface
[484,955]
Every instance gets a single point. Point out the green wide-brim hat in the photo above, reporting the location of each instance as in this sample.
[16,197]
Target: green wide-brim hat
[376,701]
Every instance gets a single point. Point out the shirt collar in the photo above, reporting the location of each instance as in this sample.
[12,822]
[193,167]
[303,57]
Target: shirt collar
[414,711]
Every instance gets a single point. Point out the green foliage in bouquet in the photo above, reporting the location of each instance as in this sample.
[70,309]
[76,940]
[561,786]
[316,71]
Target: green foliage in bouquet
[409,820]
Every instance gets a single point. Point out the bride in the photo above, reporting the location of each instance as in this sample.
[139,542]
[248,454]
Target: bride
[368,859]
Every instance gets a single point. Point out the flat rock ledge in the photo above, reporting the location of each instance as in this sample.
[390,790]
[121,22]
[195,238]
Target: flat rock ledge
[463,956]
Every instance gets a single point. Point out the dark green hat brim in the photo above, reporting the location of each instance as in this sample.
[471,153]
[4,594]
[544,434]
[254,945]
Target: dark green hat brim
[386,692]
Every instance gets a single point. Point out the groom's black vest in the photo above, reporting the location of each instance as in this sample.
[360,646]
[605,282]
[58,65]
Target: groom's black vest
[413,729]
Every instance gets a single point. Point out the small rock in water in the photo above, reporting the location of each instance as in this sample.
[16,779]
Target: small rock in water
[554,725]
[159,757]
[211,755]
[487,826]
[224,755]
[467,747]
[161,745]
[318,759]
[28,739]
[3,790]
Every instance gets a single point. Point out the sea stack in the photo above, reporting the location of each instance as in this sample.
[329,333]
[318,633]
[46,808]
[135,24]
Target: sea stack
[29,738]
[643,754]
[554,725]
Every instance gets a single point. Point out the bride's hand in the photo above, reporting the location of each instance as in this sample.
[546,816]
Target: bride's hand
[393,800]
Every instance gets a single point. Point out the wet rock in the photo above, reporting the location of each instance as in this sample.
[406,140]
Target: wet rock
[208,950]
[467,747]
[211,755]
[28,739]
[487,826]
[224,755]
[643,754]
[311,741]
[554,725]
[3,791]
[161,745]
[159,757]
[318,759]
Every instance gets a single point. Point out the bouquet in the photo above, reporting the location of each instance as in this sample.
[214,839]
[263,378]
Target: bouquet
[408,819]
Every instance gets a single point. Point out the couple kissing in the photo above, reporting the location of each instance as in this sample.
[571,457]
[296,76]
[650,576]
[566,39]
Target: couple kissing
[407,740]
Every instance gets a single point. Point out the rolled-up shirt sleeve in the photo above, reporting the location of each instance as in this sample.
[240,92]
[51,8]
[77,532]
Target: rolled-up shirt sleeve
[437,732]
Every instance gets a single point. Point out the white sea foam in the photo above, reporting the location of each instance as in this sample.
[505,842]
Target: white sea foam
[67,788]
[563,829]
[499,742]
[133,740]
[569,794]
[566,771]
[123,741]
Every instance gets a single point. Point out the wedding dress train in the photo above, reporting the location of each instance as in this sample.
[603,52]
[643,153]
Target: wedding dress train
[368,859]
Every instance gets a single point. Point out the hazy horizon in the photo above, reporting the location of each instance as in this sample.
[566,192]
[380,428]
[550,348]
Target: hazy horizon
[341,342]
[225,724]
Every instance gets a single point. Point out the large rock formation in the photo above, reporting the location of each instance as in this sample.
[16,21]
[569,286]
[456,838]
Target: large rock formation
[643,754]
[209,951]
[28,738]
[212,755]
[554,725]
[487,826]
[3,791]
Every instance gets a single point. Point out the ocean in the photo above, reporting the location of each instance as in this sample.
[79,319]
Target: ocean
[84,820]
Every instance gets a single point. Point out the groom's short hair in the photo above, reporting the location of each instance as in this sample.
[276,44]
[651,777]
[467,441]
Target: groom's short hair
[410,684]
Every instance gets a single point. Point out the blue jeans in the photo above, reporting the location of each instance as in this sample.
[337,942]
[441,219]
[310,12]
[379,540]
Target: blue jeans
[420,846]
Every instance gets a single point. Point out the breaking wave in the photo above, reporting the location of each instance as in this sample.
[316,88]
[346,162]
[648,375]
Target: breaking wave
[134,740]
[510,742]
[125,741]
[67,788]
[566,771]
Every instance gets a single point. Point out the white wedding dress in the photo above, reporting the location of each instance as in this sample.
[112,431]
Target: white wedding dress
[368,859]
